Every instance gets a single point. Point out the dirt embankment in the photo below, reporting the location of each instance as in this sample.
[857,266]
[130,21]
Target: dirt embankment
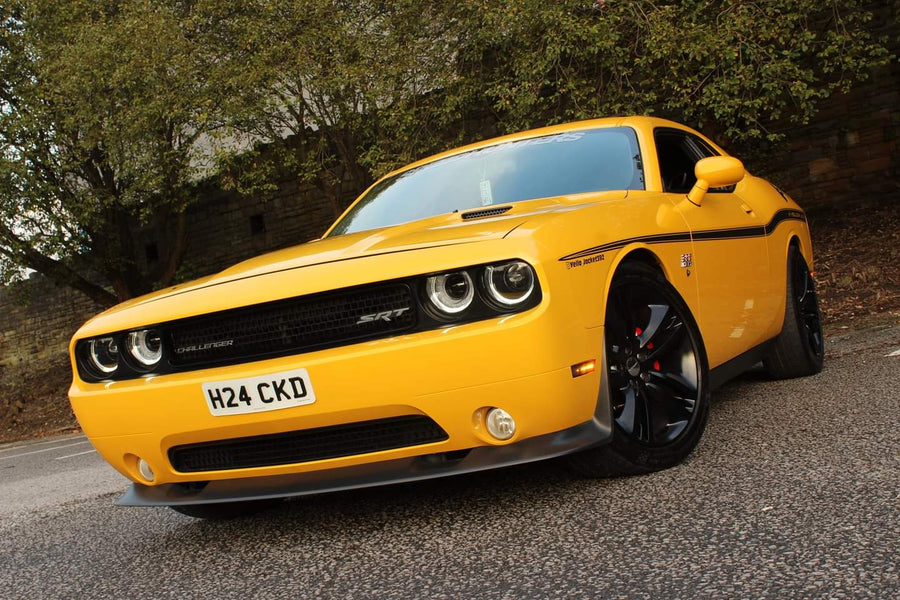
[33,400]
[857,261]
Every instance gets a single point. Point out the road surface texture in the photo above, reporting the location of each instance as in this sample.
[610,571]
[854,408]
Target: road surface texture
[794,492]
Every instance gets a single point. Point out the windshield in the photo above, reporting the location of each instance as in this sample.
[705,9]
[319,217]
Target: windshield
[574,162]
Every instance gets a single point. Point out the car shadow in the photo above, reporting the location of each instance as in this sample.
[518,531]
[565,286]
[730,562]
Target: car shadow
[460,499]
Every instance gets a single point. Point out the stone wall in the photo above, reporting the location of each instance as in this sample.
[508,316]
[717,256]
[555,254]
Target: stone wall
[849,152]
[228,228]
[37,318]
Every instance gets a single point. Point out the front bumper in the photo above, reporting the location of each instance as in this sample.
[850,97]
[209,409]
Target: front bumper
[521,363]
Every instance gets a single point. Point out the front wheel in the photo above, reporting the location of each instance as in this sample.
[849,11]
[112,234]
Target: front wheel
[657,375]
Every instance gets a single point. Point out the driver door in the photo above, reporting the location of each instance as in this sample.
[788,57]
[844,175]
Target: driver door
[730,257]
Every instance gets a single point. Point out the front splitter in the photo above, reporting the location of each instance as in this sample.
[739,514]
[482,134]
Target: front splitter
[580,437]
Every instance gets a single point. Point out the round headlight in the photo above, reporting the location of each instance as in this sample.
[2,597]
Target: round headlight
[104,354]
[145,346]
[510,284]
[450,293]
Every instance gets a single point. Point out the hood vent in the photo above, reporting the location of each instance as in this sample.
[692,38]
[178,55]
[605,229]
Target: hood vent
[485,212]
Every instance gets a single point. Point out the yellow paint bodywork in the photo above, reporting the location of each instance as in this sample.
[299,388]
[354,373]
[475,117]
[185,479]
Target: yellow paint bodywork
[735,288]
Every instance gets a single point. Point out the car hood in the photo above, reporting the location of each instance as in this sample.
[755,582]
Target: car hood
[442,230]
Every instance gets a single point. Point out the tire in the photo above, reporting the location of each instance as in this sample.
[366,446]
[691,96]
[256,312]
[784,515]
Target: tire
[226,510]
[799,349]
[658,378]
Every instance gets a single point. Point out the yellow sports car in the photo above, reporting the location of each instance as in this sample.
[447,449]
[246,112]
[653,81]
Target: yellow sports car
[572,291]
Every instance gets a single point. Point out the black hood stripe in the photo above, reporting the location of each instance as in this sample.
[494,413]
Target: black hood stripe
[698,236]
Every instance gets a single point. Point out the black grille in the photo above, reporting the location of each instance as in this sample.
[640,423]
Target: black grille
[294,325]
[307,445]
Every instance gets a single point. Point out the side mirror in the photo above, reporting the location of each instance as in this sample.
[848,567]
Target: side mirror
[713,172]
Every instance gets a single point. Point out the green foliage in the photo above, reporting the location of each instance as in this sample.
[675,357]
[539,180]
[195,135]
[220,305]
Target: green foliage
[338,89]
[102,106]
[111,109]
[364,87]
[734,64]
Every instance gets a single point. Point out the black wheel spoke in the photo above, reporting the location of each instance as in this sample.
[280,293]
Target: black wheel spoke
[660,401]
[801,284]
[675,383]
[674,410]
[658,314]
[667,338]
[626,418]
[643,416]
[808,305]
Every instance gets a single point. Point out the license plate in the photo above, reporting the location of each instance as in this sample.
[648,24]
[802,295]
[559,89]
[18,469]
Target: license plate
[259,394]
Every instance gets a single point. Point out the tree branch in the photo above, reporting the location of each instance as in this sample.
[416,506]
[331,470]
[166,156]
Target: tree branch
[53,269]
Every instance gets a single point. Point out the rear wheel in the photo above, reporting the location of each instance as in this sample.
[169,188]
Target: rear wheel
[657,375]
[226,510]
[799,349]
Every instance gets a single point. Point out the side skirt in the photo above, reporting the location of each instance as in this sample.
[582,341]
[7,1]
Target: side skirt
[737,365]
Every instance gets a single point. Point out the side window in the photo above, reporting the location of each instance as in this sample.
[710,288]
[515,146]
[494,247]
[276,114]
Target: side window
[678,152]
[702,146]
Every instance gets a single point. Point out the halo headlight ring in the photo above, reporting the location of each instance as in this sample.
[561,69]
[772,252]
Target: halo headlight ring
[144,347]
[450,294]
[102,356]
[509,285]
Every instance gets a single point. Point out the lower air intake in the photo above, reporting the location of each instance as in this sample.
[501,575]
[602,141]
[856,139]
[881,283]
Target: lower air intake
[307,445]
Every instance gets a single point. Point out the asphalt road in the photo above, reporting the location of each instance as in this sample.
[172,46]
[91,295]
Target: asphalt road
[794,492]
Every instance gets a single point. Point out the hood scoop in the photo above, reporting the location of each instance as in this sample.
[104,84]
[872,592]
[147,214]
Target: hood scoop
[485,212]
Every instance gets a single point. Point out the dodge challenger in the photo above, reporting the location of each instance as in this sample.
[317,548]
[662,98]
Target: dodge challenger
[574,291]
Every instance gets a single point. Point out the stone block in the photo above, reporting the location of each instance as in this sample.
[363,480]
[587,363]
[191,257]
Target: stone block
[818,169]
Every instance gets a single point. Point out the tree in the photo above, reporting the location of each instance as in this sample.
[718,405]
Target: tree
[735,65]
[110,109]
[103,109]
[344,91]
[339,91]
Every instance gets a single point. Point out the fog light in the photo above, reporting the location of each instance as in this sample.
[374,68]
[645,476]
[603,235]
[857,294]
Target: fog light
[145,470]
[500,424]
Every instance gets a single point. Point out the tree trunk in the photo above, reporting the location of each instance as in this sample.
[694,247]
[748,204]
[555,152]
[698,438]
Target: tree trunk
[168,267]
[54,270]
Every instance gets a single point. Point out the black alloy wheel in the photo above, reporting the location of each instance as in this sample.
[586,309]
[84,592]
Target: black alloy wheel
[657,375]
[653,370]
[799,349]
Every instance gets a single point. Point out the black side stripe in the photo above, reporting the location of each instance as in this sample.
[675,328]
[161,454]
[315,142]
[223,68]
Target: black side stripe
[784,215]
[648,239]
[712,234]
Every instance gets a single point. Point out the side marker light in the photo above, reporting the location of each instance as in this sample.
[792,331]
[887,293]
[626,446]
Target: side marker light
[583,368]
